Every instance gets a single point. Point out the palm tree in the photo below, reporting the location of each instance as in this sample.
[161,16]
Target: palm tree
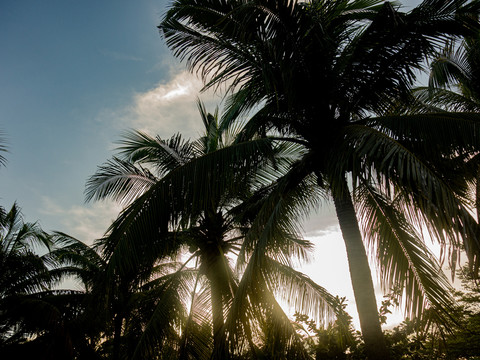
[198,204]
[319,70]
[22,270]
[76,315]
[34,317]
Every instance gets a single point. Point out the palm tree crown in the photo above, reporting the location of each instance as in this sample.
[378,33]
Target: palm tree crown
[22,270]
[210,217]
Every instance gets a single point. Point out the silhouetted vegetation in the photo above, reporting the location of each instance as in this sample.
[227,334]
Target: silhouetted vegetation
[200,260]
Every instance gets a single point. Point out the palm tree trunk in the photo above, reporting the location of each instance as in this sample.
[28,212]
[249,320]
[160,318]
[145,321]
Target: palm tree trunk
[216,288]
[117,333]
[217,311]
[361,277]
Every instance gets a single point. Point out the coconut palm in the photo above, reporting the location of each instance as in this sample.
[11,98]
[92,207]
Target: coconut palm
[182,196]
[22,271]
[77,315]
[319,70]
[34,317]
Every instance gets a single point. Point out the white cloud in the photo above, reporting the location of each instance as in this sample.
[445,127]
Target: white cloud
[84,222]
[170,107]
[321,222]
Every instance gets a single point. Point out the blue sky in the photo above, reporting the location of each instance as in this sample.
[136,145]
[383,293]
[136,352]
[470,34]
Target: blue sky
[73,76]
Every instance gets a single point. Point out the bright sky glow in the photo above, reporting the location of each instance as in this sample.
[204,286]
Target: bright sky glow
[179,91]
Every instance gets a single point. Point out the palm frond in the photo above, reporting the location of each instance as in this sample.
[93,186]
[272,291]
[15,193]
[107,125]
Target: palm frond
[437,100]
[169,312]
[424,189]
[119,180]
[163,154]
[448,68]
[441,133]
[71,257]
[196,339]
[299,291]
[3,148]
[254,312]
[276,225]
[403,259]
[179,198]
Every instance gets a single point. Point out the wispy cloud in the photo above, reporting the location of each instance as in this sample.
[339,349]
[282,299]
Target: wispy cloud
[321,222]
[84,222]
[168,108]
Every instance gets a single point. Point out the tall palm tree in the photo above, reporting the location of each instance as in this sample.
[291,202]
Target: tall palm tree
[319,70]
[180,199]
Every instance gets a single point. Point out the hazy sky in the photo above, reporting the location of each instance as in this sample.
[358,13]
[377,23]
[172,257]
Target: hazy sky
[73,76]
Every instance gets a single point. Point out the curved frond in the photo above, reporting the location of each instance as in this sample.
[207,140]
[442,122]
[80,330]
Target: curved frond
[162,154]
[119,180]
[71,257]
[428,193]
[403,259]
[275,228]
[179,198]
[449,67]
[169,312]
[3,148]
[299,291]
[438,100]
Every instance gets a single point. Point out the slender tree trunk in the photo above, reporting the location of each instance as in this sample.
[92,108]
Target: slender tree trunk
[117,335]
[361,278]
[215,277]
[217,313]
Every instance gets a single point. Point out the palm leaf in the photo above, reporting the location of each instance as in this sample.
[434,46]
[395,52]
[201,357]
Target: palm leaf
[425,191]
[403,259]
[437,100]
[169,311]
[119,180]
[186,190]
[163,154]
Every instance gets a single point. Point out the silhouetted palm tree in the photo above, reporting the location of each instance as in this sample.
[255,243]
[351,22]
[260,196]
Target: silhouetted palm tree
[196,201]
[35,317]
[22,272]
[319,70]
